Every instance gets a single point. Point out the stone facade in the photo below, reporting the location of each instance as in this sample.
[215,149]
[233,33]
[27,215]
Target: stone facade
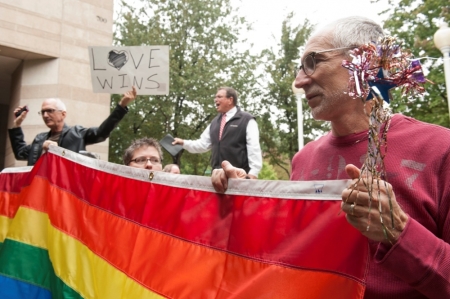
[44,54]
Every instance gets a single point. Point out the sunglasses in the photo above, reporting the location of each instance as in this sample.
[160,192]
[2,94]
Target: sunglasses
[48,111]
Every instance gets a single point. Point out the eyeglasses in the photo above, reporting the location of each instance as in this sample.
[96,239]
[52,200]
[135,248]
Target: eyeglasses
[48,111]
[144,160]
[309,61]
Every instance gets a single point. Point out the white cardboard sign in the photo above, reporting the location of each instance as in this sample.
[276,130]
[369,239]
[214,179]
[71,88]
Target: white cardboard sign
[117,69]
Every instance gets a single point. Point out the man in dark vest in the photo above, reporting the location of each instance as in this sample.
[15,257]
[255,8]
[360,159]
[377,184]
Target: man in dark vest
[233,135]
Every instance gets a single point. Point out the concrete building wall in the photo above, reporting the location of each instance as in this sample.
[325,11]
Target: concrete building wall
[44,54]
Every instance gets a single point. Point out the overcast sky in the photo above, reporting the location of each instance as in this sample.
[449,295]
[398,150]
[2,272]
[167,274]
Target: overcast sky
[267,15]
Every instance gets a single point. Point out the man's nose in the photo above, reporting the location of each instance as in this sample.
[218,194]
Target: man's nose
[148,165]
[302,79]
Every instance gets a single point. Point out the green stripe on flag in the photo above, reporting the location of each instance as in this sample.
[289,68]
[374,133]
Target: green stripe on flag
[32,265]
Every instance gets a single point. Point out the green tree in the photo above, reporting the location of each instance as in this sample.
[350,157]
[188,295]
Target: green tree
[414,22]
[267,172]
[206,52]
[278,119]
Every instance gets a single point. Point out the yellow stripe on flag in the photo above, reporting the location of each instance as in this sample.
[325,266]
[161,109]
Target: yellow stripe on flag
[77,266]
[5,224]
[29,227]
[88,273]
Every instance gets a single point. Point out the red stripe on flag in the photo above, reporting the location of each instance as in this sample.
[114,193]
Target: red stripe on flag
[10,186]
[287,232]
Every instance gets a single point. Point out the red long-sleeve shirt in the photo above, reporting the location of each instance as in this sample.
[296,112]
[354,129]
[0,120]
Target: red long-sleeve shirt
[418,167]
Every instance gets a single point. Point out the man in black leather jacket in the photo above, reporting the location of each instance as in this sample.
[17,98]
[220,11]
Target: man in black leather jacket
[53,112]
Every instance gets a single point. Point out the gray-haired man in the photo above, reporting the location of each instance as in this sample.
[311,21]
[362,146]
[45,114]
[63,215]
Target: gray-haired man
[53,112]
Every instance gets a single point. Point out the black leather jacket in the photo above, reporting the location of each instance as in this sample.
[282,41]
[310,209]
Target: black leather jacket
[72,138]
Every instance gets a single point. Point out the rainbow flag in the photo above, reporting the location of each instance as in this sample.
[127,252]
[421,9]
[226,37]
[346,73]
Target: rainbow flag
[75,227]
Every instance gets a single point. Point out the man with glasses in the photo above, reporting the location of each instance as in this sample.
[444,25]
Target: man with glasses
[233,135]
[144,153]
[410,247]
[53,112]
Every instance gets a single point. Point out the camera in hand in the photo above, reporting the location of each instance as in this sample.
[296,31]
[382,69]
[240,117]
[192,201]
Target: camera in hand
[18,113]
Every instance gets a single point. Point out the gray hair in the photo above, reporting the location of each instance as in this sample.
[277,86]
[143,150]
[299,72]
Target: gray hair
[138,143]
[353,32]
[58,103]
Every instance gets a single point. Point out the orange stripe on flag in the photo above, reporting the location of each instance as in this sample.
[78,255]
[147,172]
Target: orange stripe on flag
[176,268]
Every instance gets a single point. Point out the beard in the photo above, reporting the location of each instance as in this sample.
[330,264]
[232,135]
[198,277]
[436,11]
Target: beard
[330,104]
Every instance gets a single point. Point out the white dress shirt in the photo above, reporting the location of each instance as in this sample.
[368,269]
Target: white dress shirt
[203,144]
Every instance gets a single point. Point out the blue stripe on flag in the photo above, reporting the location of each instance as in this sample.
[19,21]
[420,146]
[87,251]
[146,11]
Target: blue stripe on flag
[15,289]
